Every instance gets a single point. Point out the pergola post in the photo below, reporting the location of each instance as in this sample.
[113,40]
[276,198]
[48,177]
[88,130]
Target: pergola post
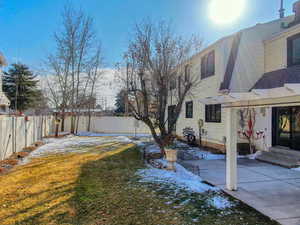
[231,149]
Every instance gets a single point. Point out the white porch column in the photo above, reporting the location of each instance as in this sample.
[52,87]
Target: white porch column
[231,149]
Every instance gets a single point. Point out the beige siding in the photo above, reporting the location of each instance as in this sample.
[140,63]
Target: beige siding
[206,88]
[252,60]
[250,63]
[276,50]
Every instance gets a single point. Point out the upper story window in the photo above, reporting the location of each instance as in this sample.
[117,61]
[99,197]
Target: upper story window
[208,65]
[293,48]
[213,113]
[189,109]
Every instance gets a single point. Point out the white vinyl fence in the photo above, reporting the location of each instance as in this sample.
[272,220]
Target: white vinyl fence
[110,125]
[17,133]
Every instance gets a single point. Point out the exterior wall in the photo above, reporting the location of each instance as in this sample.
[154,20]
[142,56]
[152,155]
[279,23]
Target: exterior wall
[110,125]
[16,133]
[213,132]
[249,67]
[276,50]
[263,122]
[250,64]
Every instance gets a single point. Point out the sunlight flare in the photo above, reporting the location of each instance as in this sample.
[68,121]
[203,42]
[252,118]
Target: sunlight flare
[226,11]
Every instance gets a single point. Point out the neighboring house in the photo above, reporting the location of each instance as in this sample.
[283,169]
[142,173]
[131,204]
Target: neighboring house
[256,68]
[4,102]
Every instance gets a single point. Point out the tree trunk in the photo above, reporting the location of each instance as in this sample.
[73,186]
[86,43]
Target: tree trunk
[89,122]
[63,121]
[77,124]
[73,118]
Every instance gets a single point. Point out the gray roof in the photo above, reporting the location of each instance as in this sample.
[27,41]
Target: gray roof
[278,78]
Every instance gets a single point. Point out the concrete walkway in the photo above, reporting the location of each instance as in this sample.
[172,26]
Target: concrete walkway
[272,190]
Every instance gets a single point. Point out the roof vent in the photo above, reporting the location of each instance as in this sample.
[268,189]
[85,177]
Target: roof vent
[281,10]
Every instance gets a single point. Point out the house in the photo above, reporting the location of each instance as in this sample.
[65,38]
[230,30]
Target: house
[4,102]
[250,79]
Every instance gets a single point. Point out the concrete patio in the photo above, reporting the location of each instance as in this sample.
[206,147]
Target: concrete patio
[270,189]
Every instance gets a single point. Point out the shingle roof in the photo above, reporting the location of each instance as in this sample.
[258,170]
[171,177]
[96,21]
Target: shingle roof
[278,78]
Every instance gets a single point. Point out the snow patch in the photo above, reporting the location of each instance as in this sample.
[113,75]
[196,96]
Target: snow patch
[182,178]
[71,144]
[91,134]
[220,202]
[251,156]
[206,155]
[152,149]
[296,169]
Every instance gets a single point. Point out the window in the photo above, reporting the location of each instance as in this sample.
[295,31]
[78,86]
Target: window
[189,109]
[293,50]
[187,72]
[213,113]
[208,65]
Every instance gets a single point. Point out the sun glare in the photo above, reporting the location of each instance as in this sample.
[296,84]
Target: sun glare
[226,11]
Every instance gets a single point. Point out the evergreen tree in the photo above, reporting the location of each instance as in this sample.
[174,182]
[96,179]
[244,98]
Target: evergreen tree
[20,86]
[120,102]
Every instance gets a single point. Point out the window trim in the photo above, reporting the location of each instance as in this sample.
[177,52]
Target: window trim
[290,50]
[187,115]
[205,66]
[211,112]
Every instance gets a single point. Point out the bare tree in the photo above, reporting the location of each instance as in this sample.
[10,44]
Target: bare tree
[58,89]
[95,73]
[73,63]
[156,59]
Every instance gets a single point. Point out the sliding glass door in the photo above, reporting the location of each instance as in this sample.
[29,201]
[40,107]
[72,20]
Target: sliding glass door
[286,127]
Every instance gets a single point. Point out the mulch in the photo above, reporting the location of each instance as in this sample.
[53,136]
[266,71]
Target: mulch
[14,159]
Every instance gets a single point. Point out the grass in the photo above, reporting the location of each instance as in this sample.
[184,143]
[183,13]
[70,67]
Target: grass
[100,187]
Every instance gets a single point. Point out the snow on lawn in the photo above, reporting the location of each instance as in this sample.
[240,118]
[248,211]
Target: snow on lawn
[220,202]
[91,134]
[198,152]
[182,178]
[70,144]
[206,155]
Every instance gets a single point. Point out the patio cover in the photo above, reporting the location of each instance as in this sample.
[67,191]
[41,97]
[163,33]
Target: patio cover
[255,95]
[288,94]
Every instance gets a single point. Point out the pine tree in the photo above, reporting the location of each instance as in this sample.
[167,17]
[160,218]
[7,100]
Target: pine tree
[120,102]
[20,85]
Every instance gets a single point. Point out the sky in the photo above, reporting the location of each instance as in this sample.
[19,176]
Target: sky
[27,27]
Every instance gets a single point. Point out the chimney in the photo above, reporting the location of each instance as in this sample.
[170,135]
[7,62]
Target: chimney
[281,10]
[296,10]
